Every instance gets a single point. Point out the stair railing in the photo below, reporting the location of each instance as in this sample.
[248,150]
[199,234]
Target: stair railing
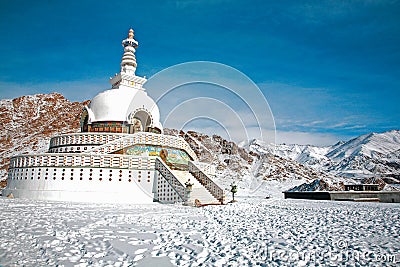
[207,182]
[167,174]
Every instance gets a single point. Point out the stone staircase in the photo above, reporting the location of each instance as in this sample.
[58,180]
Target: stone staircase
[198,191]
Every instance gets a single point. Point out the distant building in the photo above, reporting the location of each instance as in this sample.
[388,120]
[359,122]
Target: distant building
[120,155]
[361,187]
[353,192]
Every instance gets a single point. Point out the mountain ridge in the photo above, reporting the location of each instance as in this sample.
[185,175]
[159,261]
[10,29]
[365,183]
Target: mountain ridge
[365,155]
[28,122]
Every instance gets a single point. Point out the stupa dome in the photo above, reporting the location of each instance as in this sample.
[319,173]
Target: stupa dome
[122,105]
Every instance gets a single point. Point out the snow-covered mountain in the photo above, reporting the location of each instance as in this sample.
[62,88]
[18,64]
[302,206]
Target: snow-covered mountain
[374,154]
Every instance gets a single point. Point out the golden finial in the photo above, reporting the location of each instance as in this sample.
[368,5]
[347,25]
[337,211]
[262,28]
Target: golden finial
[130,34]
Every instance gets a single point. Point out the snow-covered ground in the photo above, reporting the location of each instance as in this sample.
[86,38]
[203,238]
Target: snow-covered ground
[252,232]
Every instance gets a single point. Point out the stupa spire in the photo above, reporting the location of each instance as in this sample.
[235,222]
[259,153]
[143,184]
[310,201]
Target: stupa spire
[129,59]
[127,75]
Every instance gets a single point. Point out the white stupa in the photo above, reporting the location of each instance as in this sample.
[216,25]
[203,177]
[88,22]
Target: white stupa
[120,156]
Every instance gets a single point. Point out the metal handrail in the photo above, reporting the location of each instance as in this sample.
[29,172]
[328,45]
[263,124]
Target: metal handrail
[207,182]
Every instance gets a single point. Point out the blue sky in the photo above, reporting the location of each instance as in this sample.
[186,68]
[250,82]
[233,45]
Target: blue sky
[329,69]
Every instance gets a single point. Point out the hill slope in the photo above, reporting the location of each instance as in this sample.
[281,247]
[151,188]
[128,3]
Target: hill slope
[28,122]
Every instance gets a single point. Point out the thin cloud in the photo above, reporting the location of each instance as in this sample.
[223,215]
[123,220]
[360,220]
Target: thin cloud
[306,138]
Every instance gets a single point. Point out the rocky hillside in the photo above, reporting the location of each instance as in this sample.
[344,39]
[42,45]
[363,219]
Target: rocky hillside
[28,122]
[250,166]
